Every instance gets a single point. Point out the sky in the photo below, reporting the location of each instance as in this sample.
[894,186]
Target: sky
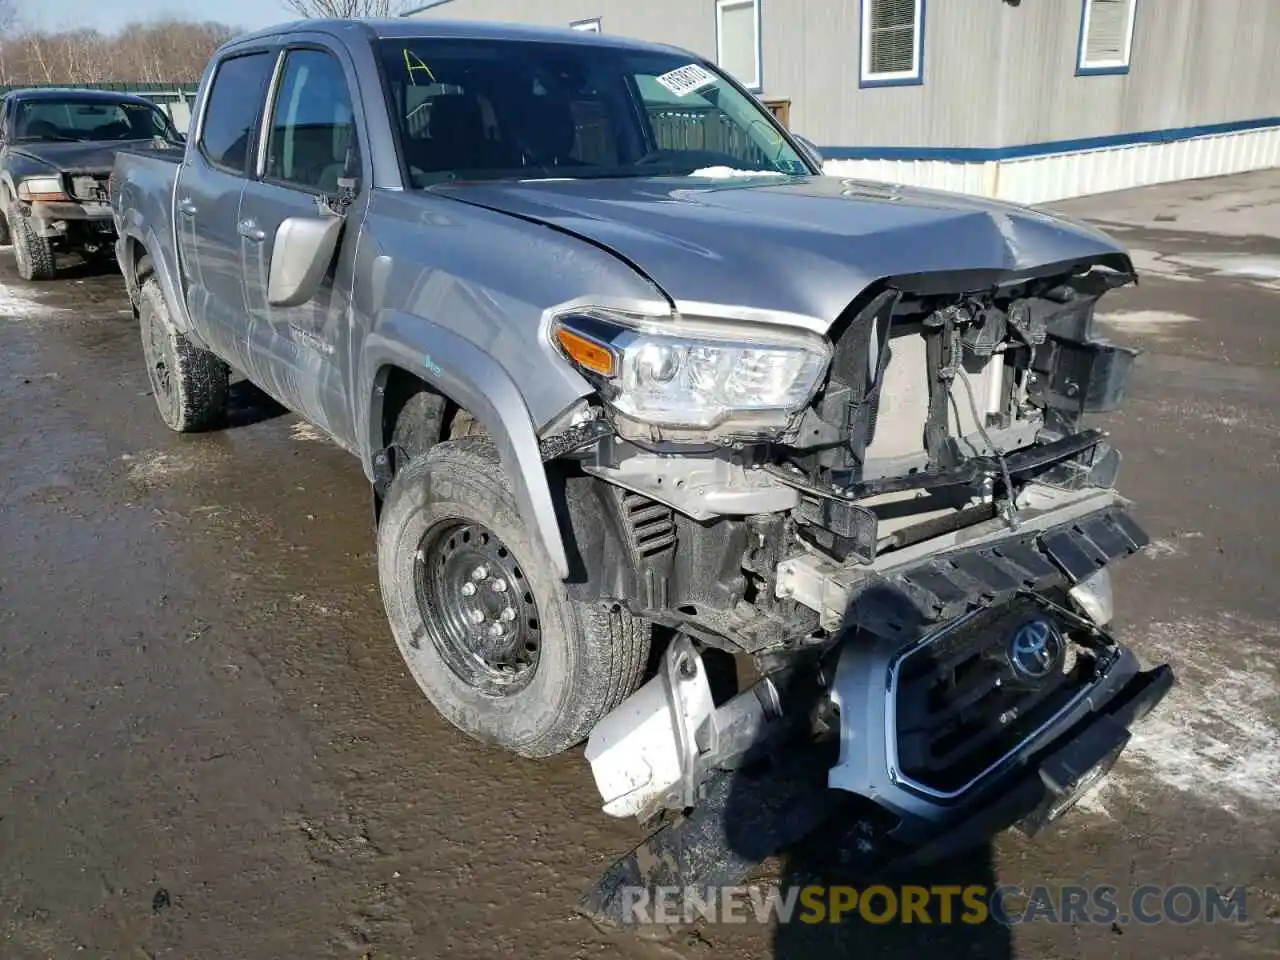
[108,15]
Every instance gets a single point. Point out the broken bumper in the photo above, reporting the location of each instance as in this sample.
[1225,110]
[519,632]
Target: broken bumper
[1035,782]
[55,220]
[1049,781]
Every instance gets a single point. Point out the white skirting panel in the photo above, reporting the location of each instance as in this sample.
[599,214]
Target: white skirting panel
[1058,176]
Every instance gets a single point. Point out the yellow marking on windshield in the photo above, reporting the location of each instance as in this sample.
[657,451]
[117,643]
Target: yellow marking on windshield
[413,63]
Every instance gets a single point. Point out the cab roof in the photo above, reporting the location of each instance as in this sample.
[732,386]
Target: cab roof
[407,28]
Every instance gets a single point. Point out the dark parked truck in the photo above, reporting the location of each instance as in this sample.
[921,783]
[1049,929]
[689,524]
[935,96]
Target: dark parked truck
[57,148]
[623,369]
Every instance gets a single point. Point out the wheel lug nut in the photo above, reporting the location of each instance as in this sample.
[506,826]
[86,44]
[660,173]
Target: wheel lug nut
[480,573]
[468,589]
[508,614]
[499,585]
[495,629]
[476,617]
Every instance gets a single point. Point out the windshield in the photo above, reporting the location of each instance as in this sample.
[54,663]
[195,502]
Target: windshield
[85,119]
[507,109]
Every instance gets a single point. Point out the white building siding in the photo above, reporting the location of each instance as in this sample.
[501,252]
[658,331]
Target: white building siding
[1000,109]
[1193,63]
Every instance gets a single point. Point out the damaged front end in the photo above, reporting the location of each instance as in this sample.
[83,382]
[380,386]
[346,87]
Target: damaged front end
[913,567]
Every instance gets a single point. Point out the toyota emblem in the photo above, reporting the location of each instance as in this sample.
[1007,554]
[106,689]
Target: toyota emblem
[1035,649]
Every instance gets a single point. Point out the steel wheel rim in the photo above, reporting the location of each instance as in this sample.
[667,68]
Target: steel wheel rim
[159,367]
[478,607]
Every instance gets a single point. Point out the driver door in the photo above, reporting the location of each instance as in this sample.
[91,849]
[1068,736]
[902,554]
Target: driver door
[312,154]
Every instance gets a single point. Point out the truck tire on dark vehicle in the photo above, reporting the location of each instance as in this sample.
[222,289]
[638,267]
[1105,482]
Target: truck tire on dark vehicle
[189,384]
[484,624]
[33,253]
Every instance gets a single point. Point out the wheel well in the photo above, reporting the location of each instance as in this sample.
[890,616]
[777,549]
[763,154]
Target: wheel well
[140,260]
[401,386]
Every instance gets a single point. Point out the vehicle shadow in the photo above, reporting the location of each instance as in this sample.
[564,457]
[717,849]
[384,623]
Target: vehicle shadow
[86,268]
[871,930]
[248,405]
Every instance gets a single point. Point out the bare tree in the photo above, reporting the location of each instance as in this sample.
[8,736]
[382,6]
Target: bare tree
[346,9]
[163,52]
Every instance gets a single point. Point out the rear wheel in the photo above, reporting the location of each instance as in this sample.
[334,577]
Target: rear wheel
[32,252]
[484,625]
[189,384]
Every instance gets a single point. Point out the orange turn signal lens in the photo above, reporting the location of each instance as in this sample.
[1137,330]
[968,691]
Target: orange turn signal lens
[586,353]
[47,197]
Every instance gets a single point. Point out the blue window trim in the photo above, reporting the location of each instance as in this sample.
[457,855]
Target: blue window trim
[758,86]
[579,24]
[1111,71]
[864,35]
[1023,150]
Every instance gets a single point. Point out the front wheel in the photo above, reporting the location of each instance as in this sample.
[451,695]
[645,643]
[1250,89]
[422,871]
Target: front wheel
[32,252]
[484,624]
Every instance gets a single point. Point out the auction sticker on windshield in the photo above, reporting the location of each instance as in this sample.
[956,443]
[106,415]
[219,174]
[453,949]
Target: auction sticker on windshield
[683,81]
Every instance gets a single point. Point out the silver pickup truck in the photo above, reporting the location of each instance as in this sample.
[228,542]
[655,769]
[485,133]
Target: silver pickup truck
[628,375]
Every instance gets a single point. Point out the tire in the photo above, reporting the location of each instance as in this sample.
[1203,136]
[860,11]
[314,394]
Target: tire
[417,427]
[6,236]
[32,252]
[589,658]
[189,384]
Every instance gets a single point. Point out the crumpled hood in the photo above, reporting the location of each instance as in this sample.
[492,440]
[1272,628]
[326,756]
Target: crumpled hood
[801,245]
[82,156]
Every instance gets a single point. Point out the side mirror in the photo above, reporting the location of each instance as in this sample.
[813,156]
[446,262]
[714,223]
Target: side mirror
[813,153]
[300,258]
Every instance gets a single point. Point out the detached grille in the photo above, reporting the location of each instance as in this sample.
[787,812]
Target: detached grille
[961,707]
[87,187]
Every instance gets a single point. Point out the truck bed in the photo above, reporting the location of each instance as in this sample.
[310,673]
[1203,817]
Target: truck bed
[142,189]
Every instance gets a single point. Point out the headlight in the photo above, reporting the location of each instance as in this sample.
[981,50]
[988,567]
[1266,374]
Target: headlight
[694,377]
[41,188]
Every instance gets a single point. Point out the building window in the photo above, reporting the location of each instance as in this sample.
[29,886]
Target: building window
[738,41]
[1106,36]
[892,42]
[586,26]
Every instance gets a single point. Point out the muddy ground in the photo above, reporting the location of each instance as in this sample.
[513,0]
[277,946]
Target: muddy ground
[209,747]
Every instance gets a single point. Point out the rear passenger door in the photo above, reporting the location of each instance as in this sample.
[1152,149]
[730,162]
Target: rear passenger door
[207,201]
[311,163]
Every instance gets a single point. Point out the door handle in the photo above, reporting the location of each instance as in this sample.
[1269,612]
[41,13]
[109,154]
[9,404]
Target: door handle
[186,207]
[250,230]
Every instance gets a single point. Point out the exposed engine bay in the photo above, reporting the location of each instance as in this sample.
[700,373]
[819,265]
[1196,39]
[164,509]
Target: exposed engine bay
[941,413]
[917,572]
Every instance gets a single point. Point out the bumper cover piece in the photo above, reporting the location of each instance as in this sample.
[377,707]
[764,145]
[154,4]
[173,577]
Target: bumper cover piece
[949,586]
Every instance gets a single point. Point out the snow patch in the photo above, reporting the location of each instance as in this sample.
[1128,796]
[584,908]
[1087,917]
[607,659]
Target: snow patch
[1216,736]
[1150,262]
[728,173]
[305,431]
[156,468]
[1150,322]
[1234,265]
[16,304]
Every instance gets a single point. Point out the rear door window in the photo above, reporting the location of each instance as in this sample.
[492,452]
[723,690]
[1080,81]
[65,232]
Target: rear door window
[231,117]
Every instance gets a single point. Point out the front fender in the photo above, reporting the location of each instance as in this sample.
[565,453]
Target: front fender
[476,382]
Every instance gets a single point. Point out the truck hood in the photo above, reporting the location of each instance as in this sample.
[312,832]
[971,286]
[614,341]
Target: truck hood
[802,246]
[82,156]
